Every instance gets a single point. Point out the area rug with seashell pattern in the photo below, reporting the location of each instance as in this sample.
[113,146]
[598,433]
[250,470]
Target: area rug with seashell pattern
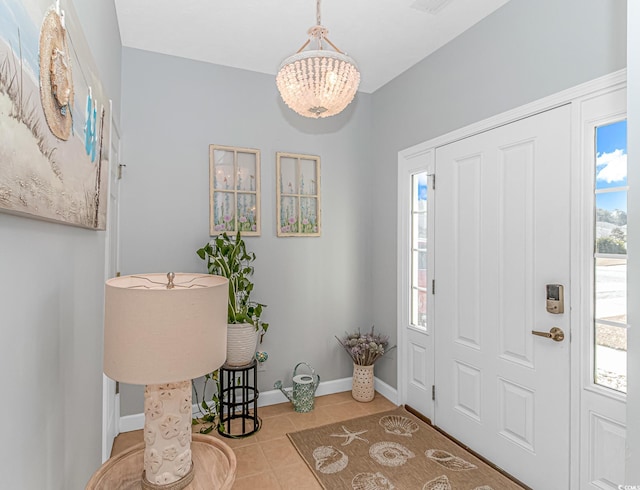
[392,450]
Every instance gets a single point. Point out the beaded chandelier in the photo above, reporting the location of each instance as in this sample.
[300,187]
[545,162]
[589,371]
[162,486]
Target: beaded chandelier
[318,83]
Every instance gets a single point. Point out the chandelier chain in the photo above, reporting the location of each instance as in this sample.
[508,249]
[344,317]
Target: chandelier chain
[318,12]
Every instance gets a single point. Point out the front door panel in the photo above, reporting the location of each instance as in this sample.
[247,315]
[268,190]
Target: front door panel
[502,230]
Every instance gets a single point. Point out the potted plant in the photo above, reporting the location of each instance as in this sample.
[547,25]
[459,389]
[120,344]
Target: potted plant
[228,257]
[364,350]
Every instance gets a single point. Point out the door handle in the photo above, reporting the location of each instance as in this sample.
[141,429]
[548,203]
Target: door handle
[555,333]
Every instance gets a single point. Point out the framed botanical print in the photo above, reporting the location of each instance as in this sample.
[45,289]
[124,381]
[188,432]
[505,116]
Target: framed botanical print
[298,195]
[234,190]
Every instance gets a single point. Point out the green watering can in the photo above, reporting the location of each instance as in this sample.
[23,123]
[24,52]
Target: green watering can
[304,389]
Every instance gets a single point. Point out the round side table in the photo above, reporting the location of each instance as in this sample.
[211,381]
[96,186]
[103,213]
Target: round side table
[214,462]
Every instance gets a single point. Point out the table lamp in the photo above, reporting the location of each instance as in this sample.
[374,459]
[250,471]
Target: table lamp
[162,331]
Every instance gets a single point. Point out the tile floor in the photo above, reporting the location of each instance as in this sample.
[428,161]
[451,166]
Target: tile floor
[267,460]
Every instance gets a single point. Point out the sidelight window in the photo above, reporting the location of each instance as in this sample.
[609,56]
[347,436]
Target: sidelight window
[419,250]
[610,257]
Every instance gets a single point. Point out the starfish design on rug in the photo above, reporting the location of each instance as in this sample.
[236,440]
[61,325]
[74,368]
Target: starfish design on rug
[349,436]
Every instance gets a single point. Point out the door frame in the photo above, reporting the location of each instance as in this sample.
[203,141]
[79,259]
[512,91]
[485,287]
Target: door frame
[602,411]
[573,96]
[110,399]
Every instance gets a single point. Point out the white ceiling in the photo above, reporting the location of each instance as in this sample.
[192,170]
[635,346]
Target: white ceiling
[385,37]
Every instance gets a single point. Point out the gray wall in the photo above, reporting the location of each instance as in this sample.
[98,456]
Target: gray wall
[633,336]
[522,52]
[52,288]
[51,295]
[315,288]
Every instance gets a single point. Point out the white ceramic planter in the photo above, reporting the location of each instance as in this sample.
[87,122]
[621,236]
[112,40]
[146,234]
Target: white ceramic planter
[242,340]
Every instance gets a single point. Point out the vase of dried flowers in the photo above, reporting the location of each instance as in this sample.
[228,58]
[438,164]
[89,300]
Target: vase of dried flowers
[364,349]
[362,388]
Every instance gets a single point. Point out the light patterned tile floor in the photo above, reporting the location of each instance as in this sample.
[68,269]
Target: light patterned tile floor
[267,460]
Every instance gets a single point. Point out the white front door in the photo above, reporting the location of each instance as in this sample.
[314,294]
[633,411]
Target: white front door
[502,233]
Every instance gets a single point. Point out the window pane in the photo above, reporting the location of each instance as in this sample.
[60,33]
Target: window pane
[611,155]
[419,249]
[246,207]
[419,230]
[419,308]
[611,290]
[419,271]
[611,223]
[288,175]
[419,192]
[308,177]
[224,211]
[610,264]
[246,178]
[611,357]
[224,168]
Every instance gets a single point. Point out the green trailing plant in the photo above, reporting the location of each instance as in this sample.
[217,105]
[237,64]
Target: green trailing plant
[228,257]
[208,412]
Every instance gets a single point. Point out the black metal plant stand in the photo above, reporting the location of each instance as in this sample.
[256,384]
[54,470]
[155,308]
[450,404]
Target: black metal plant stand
[239,401]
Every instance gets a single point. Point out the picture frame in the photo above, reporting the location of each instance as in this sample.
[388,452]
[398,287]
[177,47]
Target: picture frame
[234,190]
[298,195]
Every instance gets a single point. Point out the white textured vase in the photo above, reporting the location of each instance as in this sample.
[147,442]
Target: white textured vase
[242,340]
[362,388]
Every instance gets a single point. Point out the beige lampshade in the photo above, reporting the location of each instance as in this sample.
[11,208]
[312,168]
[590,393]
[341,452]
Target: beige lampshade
[155,335]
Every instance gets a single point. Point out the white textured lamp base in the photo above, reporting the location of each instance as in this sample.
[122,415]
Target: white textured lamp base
[167,436]
[183,482]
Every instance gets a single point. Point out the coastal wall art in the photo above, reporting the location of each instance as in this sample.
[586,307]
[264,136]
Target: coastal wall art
[54,117]
[298,195]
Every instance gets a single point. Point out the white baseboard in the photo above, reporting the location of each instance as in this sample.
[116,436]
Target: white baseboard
[131,422]
[386,390]
[273,397]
